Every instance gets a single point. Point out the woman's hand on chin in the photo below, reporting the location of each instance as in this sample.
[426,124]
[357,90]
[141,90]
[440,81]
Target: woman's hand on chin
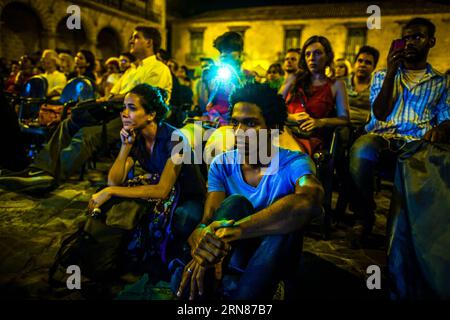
[127,136]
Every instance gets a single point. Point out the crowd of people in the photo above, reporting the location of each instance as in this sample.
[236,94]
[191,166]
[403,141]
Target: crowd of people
[240,223]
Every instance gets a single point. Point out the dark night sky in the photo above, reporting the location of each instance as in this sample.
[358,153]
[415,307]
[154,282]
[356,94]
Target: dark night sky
[192,7]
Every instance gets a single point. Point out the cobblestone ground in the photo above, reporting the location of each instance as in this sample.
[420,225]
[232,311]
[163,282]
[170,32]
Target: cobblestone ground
[32,227]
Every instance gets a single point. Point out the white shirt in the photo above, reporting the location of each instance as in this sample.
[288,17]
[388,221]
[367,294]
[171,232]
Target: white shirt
[150,71]
[55,81]
[413,77]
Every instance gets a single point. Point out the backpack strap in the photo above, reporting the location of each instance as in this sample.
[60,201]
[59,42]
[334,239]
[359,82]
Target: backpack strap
[168,230]
[51,272]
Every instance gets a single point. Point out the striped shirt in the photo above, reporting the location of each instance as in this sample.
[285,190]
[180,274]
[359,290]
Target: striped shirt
[359,103]
[417,109]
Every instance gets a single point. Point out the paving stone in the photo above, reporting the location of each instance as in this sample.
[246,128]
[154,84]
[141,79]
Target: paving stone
[32,228]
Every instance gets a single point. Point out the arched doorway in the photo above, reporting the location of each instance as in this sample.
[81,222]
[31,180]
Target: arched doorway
[72,40]
[21,30]
[108,43]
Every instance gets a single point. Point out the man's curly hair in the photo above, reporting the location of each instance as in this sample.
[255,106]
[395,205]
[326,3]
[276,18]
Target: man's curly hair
[272,104]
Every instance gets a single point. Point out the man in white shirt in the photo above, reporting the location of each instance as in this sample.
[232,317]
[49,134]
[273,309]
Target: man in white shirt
[77,138]
[56,80]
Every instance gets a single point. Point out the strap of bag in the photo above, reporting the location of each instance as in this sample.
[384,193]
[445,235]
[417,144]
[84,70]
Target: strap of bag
[168,234]
[57,261]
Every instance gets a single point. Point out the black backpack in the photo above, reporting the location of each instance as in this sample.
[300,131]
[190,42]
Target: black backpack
[96,248]
[103,252]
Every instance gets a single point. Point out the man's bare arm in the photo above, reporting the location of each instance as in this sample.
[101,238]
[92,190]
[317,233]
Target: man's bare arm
[288,214]
[384,102]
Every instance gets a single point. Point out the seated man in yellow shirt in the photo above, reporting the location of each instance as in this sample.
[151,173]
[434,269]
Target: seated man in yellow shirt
[76,139]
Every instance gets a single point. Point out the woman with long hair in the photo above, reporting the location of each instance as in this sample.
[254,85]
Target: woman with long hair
[84,65]
[316,101]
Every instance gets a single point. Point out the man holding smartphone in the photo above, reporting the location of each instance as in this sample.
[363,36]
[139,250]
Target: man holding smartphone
[409,102]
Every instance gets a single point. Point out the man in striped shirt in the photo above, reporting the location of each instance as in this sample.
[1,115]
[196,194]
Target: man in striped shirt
[409,102]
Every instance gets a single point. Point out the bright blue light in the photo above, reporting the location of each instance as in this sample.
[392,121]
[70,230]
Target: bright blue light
[224,73]
[79,87]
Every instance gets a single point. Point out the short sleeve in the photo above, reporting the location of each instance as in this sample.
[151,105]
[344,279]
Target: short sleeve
[301,167]
[375,86]
[216,175]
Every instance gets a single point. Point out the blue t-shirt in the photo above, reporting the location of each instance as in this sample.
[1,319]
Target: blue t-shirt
[284,170]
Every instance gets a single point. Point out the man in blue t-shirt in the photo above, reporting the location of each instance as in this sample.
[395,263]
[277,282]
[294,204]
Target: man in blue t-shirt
[258,202]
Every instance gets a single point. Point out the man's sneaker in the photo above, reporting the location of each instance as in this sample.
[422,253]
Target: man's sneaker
[6,172]
[28,180]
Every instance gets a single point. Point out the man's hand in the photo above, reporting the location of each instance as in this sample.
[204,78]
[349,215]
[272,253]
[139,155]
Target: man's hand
[229,234]
[99,198]
[194,274]
[206,248]
[439,134]
[395,57]
[385,100]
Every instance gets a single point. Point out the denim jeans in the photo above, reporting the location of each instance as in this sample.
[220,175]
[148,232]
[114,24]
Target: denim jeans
[346,136]
[186,217]
[254,267]
[370,153]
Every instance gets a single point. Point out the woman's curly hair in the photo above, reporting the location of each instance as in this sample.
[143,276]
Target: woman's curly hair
[152,100]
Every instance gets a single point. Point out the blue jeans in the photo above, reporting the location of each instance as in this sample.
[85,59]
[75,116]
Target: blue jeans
[255,266]
[369,154]
[186,217]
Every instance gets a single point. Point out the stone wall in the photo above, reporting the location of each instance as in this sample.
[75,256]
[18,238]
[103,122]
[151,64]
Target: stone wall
[95,16]
[264,37]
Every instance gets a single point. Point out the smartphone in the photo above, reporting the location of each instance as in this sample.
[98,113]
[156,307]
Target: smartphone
[398,44]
